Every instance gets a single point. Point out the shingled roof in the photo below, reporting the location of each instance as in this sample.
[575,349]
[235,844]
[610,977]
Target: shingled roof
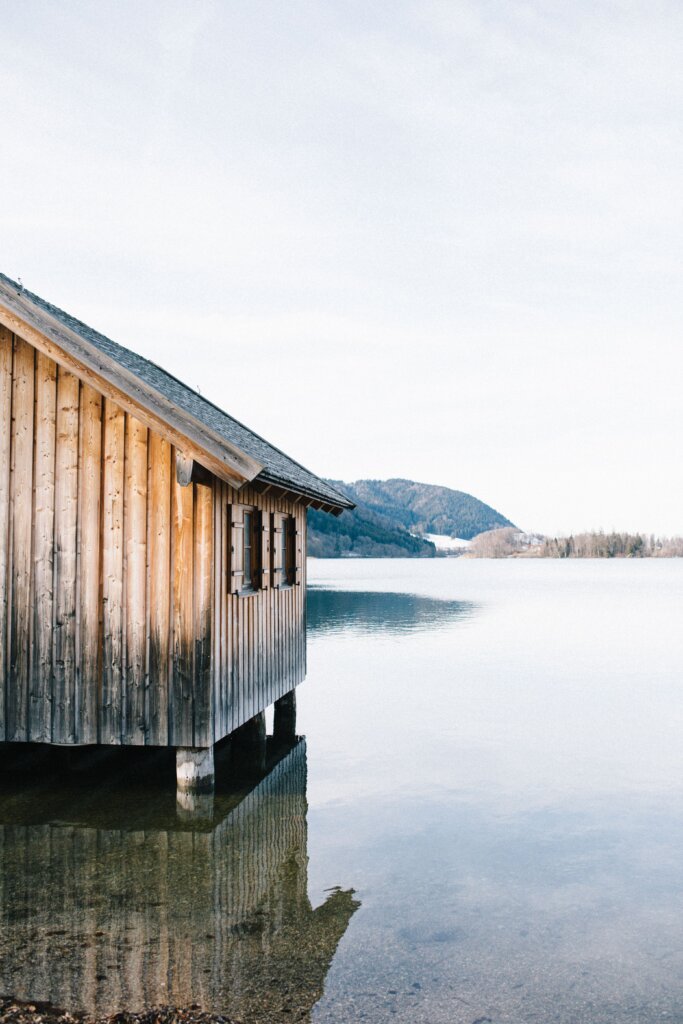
[219,442]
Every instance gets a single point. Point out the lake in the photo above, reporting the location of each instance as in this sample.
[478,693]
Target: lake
[484,823]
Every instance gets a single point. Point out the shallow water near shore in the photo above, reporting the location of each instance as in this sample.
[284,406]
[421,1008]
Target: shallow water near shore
[484,823]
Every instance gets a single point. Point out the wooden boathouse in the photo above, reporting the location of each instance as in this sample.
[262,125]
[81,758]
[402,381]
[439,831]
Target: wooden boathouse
[152,550]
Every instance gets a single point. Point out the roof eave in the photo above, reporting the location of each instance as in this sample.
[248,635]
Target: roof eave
[335,503]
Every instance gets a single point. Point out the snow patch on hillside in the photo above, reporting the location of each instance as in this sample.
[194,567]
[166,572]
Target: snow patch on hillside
[443,542]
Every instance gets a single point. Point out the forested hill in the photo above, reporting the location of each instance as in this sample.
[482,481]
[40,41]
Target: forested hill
[390,512]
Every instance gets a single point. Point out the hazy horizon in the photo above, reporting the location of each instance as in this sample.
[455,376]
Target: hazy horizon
[438,241]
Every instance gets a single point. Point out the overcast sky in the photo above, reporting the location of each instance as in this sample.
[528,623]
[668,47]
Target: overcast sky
[441,241]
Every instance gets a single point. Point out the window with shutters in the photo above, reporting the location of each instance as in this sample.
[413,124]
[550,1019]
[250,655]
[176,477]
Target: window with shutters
[286,554]
[248,549]
[249,554]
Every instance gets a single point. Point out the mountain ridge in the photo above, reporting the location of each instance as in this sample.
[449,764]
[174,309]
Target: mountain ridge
[392,516]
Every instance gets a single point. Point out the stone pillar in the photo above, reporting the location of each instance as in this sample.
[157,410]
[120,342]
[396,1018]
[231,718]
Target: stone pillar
[193,806]
[194,769]
[284,717]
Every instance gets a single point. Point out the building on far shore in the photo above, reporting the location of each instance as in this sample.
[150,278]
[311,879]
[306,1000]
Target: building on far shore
[152,550]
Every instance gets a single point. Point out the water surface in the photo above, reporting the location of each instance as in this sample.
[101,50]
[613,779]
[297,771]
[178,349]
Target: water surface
[502,783]
[485,822]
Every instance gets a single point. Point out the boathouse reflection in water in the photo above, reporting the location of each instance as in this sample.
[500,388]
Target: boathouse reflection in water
[120,906]
[345,611]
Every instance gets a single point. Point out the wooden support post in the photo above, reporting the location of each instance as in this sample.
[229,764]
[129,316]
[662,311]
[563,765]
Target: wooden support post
[284,717]
[194,769]
[251,743]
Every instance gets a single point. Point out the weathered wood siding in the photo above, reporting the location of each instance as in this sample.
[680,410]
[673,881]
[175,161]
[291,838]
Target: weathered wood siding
[260,637]
[119,620]
[96,646]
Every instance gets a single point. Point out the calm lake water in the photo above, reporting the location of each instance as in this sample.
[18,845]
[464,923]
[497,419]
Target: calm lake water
[484,824]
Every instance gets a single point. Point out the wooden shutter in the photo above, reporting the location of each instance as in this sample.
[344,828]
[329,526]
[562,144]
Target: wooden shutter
[276,550]
[264,526]
[236,521]
[297,544]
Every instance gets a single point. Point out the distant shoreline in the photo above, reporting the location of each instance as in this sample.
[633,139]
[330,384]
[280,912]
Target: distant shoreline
[512,543]
[520,557]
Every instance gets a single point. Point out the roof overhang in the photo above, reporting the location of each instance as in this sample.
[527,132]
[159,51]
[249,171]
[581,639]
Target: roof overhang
[263,485]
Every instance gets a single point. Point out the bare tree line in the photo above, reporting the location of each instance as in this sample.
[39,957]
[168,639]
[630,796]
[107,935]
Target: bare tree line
[509,542]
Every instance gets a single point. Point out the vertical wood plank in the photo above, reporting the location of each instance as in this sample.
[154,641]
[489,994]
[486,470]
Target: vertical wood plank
[203,581]
[218,612]
[280,603]
[225,613]
[21,503]
[277,607]
[249,631]
[160,587]
[234,664]
[88,626]
[112,573]
[181,705]
[302,598]
[5,435]
[64,586]
[229,615]
[135,532]
[236,576]
[272,595]
[251,646]
[248,611]
[263,613]
[43,543]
